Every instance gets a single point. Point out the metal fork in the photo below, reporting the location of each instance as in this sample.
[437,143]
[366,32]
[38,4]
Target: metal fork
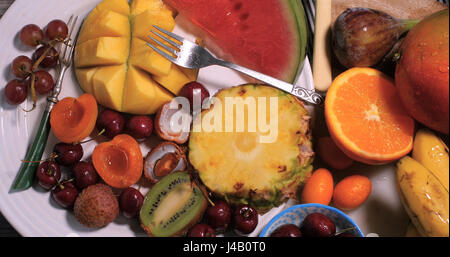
[25,177]
[190,55]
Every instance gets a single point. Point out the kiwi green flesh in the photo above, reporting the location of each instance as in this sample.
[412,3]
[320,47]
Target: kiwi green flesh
[172,205]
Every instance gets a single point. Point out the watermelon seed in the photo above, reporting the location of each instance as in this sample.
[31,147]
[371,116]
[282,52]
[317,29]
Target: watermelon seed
[244,16]
[238,6]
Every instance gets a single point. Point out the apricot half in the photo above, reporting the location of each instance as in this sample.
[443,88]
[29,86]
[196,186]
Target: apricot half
[119,162]
[73,119]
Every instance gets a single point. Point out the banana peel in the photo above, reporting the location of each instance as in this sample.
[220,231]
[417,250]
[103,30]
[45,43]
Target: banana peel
[424,197]
[432,153]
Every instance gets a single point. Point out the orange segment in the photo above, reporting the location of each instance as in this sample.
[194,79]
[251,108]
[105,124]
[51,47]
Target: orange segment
[366,118]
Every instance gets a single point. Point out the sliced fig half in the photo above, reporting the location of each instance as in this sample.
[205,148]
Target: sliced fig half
[173,124]
[164,159]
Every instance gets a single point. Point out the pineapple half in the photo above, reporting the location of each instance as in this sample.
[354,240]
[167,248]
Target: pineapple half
[237,166]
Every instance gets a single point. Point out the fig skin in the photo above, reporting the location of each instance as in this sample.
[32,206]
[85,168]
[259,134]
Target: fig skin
[362,37]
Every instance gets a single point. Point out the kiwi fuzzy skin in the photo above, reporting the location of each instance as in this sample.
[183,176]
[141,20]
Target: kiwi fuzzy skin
[96,206]
[183,231]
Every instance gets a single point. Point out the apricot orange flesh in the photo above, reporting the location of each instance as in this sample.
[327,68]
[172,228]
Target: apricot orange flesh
[73,119]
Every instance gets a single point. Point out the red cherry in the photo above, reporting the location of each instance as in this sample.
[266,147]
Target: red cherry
[85,175]
[219,215]
[140,127]
[245,219]
[192,90]
[130,202]
[65,194]
[201,230]
[112,122]
[48,174]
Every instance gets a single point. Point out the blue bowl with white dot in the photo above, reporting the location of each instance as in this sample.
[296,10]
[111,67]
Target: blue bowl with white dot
[296,214]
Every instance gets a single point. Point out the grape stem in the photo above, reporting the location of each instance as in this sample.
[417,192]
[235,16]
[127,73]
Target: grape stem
[34,69]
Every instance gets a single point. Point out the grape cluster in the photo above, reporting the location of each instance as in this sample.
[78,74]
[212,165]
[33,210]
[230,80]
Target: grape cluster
[32,73]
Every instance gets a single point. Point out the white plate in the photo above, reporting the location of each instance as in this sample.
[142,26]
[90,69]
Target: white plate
[34,213]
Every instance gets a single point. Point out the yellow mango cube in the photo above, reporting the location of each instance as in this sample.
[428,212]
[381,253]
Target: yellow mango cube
[102,51]
[143,23]
[118,6]
[104,23]
[174,81]
[139,92]
[108,86]
[142,94]
[140,6]
[144,57]
[84,77]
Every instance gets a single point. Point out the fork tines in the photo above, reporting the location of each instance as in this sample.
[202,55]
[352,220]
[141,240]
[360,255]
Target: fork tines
[165,36]
[67,54]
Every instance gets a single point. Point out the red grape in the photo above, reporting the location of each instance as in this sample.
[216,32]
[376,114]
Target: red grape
[50,60]
[44,83]
[31,35]
[57,29]
[16,92]
[21,66]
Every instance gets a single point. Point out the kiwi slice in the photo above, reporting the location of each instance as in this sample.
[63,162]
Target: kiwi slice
[172,206]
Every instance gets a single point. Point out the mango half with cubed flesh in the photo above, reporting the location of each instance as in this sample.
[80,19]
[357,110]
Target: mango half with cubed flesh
[114,63]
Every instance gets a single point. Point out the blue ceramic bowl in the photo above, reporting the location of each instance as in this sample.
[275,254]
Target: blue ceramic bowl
[296,214]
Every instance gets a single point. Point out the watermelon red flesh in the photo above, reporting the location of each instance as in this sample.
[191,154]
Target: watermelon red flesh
[265,35]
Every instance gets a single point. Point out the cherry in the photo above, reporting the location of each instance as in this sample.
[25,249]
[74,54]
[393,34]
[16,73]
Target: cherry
[287,230]
[140,127]
[112,122]
[130,202]
[85,175]
[48,174]
[65,194]
[201,230]
[318,225]
[57,30]
[245,219]
[219,215]
[68,154]
[21,66]
[192,90]
[51,58]
[31,35]
[16,92]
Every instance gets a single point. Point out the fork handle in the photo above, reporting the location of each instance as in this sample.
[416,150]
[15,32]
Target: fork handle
[25,177]
[305,94]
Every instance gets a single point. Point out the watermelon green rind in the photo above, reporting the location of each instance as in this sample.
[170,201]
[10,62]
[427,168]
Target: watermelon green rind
[299,13]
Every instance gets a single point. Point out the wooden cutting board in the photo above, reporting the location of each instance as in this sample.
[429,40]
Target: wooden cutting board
[325,69]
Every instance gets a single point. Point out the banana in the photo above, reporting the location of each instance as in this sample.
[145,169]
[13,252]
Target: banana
[424,197]
[411,231]
[432,153]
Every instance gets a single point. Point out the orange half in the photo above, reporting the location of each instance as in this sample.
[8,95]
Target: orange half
[366,119]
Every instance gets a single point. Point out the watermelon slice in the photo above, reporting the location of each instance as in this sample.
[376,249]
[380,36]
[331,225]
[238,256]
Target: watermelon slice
[265,35]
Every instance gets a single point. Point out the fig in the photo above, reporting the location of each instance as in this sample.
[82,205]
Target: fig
[164,159]
[173,124]
[362,37]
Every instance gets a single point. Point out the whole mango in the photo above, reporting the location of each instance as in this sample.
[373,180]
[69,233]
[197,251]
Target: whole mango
[422,73]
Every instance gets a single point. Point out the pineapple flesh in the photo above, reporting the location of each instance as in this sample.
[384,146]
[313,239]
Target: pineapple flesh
[236,165]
